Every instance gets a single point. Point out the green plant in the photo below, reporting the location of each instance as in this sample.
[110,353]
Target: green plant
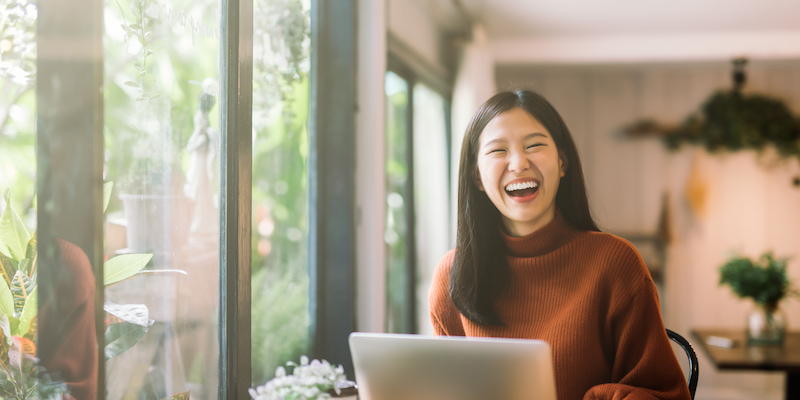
[764,280]
[126,324]
[735,121]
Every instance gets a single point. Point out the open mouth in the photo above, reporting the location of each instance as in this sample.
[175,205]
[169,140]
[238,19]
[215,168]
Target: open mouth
[522,189]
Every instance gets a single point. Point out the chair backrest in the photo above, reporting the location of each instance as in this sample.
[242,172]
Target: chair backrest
[694,370]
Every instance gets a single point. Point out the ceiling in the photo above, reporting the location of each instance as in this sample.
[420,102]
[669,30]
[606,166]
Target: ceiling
[525,18]
[625,30]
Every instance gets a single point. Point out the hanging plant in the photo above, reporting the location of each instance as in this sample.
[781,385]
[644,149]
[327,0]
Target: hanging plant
[733,121]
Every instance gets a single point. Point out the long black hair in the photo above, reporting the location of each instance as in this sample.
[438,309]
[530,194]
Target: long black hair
[480,270]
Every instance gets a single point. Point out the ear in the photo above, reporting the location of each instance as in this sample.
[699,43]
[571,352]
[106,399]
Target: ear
[563,164]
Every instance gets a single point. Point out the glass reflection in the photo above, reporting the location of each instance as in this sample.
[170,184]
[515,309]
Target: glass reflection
[431,193]
[280,294]
[161,139]
[396,231]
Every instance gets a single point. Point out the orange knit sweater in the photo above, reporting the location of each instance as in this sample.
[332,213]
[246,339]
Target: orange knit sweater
[590,296]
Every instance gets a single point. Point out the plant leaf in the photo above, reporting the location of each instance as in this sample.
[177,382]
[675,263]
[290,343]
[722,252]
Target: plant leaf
[25,266]
[123,267]
[30,250]
[33,329]
[5,330]
[178,396]
[21,287]
[13,323]
[15,353]
[121,337]
[7,268]
[20,348]
[6,300]
[107,188]
[28,312]
[136,314]
[13,233]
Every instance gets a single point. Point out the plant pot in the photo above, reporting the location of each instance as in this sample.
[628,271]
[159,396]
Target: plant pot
[766,325]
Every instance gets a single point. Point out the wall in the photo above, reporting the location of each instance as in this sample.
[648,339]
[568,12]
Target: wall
[750,203]
[412,23]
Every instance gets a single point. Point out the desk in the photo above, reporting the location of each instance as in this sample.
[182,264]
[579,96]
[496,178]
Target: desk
[755,358]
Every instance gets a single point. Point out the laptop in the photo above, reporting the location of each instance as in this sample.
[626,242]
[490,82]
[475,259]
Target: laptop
[417,367]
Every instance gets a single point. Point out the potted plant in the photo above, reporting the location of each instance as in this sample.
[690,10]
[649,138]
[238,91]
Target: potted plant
[765,282]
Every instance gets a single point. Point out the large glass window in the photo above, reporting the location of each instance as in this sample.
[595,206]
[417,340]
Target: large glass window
[417,198]
[399,203]
[18,307]
[280,282]
[134,115]
[161,131]
[431,194]
[18,106]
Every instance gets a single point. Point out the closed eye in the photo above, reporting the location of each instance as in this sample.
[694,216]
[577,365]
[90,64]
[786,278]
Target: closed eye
[536,145]
[495,151]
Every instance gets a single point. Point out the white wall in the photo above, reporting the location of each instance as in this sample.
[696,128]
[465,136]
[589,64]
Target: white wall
[751,204]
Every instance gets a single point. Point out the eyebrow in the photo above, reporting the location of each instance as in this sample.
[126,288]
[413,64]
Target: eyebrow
[528,136]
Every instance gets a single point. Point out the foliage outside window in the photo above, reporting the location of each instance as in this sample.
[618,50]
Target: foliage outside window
[397,202]
[161,62]
[18,105]
[280,292]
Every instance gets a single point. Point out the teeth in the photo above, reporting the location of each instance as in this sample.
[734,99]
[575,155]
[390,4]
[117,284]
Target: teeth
[522,185]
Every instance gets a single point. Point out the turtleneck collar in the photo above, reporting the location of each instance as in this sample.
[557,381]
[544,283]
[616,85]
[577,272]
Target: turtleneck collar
[552,236]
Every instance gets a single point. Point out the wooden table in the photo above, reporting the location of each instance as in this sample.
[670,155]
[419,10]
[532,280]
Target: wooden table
[755,358]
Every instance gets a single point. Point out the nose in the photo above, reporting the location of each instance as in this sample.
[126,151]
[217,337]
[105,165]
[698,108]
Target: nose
[518,162]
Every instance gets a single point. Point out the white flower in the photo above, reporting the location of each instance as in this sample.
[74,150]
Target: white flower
[309,381]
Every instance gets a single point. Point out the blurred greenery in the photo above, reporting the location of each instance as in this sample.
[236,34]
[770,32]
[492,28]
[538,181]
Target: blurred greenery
[397,131]
[735,121]
[280,309]
[764,280]
[18,105]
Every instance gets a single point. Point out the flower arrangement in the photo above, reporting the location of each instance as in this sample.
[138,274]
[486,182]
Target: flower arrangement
[313,380]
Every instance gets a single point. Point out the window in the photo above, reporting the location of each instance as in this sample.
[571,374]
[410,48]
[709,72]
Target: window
[417,197]
[153,98]
[161,134]
[280,282]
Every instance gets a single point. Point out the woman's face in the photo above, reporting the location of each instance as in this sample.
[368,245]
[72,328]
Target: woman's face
[520,170]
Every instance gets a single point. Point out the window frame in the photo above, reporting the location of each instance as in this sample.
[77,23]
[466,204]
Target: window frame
[332,135]
[236,163]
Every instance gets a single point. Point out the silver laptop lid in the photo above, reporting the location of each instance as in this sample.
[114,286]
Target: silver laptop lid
[416,367]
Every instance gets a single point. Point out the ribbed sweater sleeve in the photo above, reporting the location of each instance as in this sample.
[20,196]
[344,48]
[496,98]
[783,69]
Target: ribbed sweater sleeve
[590,296]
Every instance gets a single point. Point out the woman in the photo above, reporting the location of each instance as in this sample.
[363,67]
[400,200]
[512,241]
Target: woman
[531,263]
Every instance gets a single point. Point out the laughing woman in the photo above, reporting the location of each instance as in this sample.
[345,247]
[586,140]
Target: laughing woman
[531,263]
